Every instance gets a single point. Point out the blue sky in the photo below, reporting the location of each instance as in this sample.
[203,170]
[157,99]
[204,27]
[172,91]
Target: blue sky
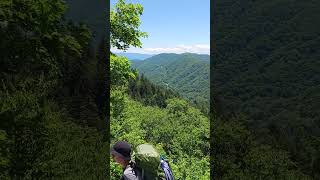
[174,26]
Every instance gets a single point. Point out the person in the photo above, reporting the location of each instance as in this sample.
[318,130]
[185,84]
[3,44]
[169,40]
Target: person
[121,154]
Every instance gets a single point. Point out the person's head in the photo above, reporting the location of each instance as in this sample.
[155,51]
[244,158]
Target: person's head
[121,153]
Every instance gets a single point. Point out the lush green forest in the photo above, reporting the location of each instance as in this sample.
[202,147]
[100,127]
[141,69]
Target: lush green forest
[145,113]
[53,95]
[142,112]
[187,74]
[181,132]
[267,69]
[144,91]
[52,115]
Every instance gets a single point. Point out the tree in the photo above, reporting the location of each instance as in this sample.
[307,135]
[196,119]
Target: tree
[45,63]
[124,32]
[124,24]
[120,71]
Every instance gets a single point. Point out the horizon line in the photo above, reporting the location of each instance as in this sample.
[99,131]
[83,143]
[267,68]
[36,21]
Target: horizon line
[122,52]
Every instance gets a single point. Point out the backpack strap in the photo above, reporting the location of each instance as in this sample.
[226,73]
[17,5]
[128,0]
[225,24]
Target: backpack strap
[142,173]
[167,170]
[139,172]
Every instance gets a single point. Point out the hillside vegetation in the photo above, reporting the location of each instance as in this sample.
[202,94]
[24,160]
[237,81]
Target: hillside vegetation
[52,122]
[267,68]
[143,90]
[180,133]
[187,74]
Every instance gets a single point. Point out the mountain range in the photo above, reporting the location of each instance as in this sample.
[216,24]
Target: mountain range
[135,56]
[187,74]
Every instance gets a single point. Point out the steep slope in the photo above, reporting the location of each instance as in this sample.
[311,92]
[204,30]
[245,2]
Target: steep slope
[170,130]
[187,73]
[144,91]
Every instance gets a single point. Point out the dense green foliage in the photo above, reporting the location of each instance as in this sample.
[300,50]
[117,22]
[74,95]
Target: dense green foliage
[50,125]
[187,74]
[267,67]
[124,25]
[143,90]
[179,131]
[237,155]
[120,71]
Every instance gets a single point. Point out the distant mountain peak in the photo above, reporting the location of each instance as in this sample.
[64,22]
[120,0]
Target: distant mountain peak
[135,56]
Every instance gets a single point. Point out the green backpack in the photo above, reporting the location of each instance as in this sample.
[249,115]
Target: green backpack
[147,159]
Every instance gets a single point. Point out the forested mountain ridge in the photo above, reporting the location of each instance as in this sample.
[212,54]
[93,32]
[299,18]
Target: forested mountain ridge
[267,67]
[144,91]
[187,74]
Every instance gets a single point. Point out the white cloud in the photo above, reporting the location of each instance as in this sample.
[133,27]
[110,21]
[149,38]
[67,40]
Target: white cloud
[197,48]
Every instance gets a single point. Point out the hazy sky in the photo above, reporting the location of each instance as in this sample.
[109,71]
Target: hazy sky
[174,26]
